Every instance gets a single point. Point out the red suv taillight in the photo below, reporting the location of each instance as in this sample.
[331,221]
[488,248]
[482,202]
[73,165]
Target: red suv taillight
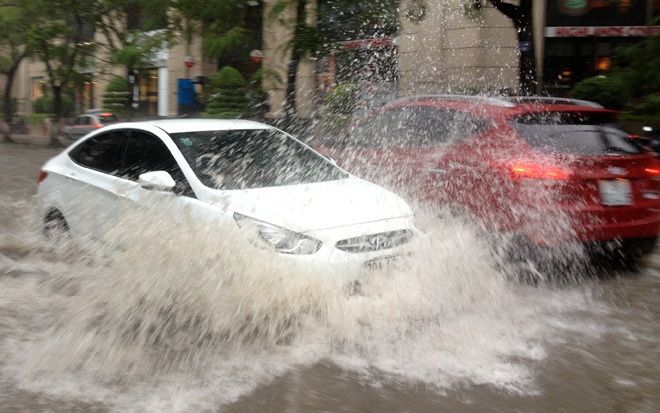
[97,126]
[654,172]
[533,170]
[42,176]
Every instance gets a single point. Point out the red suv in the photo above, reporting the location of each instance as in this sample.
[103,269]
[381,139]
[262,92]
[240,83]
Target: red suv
[547,170]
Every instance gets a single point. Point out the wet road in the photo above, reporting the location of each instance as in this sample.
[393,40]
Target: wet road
[452,336]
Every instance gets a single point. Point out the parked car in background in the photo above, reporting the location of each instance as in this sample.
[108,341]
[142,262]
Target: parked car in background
[287,199]
[545,170]
[89,122]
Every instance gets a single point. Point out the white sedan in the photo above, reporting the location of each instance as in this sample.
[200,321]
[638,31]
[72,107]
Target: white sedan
[287,199]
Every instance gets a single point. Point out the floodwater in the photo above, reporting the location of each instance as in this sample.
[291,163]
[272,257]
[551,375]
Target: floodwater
[182,322]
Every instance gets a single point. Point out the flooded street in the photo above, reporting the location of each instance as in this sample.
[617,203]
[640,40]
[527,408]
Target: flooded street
[184,321]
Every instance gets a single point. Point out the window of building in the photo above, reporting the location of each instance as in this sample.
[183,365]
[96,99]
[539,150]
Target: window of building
[148,80]
[38,87]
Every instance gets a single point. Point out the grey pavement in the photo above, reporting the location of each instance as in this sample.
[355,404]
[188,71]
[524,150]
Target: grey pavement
[36,139]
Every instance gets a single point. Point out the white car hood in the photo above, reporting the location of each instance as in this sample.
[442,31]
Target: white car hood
[317,206]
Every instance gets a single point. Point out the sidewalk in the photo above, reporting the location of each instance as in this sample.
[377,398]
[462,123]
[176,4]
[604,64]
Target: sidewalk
[35,140]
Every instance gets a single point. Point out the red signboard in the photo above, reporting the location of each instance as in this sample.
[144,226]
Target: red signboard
[602,31]
[600,18]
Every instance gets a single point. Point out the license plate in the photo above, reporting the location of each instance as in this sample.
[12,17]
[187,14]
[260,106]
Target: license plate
[615,192]
[380,264]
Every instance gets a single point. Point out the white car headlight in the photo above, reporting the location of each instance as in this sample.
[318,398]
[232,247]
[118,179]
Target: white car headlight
[280,239]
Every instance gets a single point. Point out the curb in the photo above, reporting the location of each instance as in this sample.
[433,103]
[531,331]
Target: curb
[34,140]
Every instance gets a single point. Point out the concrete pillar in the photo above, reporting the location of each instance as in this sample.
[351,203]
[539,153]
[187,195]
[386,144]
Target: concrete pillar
[163,91]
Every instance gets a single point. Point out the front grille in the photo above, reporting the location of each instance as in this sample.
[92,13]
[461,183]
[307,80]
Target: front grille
[375,242]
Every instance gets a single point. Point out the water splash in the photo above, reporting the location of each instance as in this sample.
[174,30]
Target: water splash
[189,319]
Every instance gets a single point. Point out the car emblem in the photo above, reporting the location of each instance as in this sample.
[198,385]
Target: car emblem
[380,241]
[614,170]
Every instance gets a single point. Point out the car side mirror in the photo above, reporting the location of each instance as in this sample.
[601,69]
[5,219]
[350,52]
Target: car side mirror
[330,159]
[156,181]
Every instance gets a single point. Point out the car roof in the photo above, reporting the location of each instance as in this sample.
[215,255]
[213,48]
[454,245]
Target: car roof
[95,114]
[504,107]
[192,125]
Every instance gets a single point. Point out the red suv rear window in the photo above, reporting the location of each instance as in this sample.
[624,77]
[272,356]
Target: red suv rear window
[576,133]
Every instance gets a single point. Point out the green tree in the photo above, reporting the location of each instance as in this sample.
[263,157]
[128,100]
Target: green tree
[229,30]
[609,91]
[639,66]
[222,23]
[632,84]
[13,14]
[228,98]
[59,37]
[134,31]
[341,20]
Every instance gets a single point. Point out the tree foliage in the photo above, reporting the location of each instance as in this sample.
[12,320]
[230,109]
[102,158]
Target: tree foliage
[59,37]
[13,14]
[608,91]
[134,31]
[341,20]
[639,66]
[633,80]
[117,96]
[226,26]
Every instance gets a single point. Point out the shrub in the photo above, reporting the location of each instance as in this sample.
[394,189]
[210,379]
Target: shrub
[228,95]
[650,105]
[36,119]
[338,107]
[117,96]
[644,112]
[342,98]
[608,91]
[45,104]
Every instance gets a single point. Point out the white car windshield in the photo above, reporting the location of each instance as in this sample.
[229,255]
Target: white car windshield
[252,158]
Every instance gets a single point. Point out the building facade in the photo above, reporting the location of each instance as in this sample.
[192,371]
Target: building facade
[159,89]
[581,37]
[454,47]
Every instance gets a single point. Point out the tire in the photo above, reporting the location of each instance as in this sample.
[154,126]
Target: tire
[55,227]
[640,246]
[625,256]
